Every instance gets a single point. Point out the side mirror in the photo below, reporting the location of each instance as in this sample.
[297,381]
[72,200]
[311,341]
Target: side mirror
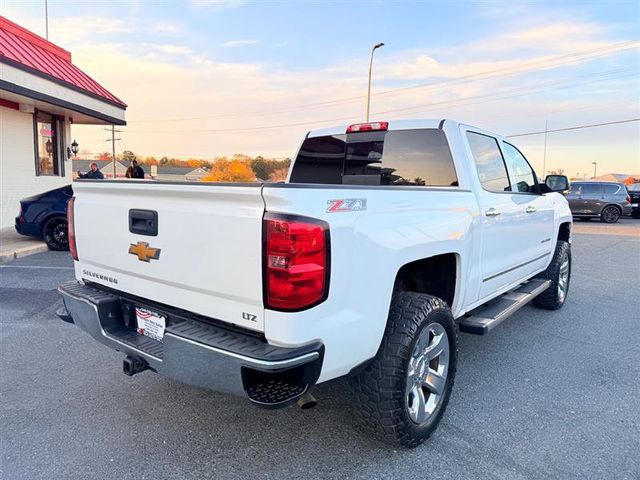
[557,183]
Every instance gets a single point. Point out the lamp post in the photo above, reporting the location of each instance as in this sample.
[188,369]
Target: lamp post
[375,47]
[595,169]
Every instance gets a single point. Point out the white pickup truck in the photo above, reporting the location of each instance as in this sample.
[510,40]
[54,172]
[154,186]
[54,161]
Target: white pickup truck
[386,240]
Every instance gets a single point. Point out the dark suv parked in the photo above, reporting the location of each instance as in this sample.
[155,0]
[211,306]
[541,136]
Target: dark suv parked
[45,216]
[605,200]
[634,193]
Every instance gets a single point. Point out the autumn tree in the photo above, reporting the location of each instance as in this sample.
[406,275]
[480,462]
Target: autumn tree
[224,170]
[279,175]
[194,163]
[260,167]
[128,156]
[104,156]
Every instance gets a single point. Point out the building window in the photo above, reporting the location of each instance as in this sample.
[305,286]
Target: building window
[47,144]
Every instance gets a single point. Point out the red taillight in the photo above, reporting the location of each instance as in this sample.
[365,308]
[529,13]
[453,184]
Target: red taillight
[629,198]
[73,248]
[368,127]
[296,262]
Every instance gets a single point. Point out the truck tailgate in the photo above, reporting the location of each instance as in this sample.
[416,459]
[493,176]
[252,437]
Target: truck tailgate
[208,245]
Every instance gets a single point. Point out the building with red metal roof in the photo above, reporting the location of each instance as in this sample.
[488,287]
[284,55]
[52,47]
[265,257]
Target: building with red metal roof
[41,94]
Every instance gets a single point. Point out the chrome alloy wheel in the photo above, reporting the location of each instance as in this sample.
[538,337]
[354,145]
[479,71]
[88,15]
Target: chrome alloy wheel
[427,373]
[563,278]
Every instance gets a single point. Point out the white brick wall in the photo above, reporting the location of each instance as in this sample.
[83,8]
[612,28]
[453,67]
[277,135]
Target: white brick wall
[17,164]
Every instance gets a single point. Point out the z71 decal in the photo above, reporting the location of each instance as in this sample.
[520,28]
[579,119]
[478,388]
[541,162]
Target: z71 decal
[346,205]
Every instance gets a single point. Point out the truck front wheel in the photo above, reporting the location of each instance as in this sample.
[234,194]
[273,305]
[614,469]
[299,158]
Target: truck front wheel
[559,272]
[401,395]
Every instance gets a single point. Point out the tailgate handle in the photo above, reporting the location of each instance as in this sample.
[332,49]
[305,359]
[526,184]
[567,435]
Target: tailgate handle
[143,222]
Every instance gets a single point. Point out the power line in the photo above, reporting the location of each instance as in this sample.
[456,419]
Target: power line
[515,92]
[504,71]
[597,76]
[577,127]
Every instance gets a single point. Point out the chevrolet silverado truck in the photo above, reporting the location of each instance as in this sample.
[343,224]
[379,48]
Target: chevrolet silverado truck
[386,240]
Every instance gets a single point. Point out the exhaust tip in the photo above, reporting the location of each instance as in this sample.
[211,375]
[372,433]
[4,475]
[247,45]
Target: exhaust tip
[307,401]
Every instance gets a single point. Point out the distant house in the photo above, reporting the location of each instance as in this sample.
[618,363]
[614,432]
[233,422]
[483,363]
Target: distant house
[105,166]
[41,94]
[619,177]
[172,174]
[176,174]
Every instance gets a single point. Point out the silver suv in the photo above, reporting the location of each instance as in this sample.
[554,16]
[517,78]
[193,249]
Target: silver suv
[606,200]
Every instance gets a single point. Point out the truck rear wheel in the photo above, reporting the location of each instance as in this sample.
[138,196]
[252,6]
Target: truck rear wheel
[402,394]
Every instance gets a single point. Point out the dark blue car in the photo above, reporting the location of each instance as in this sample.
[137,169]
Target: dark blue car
[45,216]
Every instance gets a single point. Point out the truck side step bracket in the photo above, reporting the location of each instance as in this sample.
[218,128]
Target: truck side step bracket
[486,317]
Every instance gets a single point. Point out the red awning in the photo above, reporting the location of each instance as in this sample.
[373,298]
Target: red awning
[23,49]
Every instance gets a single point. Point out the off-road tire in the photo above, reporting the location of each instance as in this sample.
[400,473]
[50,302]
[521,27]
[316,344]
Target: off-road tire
[551,299]
[379,388]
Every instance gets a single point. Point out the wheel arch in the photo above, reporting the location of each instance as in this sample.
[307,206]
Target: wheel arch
[611,205]
[564,232]
[436,275]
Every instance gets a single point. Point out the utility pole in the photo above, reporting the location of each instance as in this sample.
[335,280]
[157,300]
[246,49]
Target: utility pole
[544,158]
[113,146]
[46,19]
[595,169]
[376,46]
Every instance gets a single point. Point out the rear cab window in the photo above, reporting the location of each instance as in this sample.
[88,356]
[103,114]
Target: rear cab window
[418,157]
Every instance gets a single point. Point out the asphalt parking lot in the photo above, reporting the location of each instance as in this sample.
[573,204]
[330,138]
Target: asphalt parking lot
[546,395]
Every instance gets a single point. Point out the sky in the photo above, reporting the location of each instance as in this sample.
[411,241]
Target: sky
[210,78]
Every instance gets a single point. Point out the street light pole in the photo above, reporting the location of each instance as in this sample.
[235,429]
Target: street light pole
[544,159]
[375,47]
[46,20]
[595,169]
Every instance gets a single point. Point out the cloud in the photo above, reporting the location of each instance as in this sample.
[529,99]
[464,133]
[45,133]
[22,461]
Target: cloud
[218,4]
[167,49]
[240,43]
[167,28]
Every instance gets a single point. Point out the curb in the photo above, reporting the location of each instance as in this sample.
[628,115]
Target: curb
[6,257]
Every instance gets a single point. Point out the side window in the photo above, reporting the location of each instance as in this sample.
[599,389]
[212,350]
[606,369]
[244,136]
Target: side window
[611,189]
[521,171]
[591,189]
[575,189]
[490,165]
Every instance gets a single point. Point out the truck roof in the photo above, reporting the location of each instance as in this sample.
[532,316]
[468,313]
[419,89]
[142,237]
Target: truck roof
[393,125]
[399,125]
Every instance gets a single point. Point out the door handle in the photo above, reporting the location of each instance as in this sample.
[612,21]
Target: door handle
[531,209]
[492,212]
